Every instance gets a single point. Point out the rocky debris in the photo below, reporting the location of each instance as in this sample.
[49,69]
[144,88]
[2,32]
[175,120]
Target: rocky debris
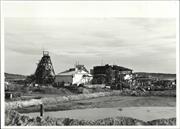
[171,121]
[13,118]
[129,121]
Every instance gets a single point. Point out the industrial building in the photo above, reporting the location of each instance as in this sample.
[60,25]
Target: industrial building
[109,74]
[78,75]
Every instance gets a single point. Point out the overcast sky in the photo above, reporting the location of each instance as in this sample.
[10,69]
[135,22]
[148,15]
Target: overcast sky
[142,43]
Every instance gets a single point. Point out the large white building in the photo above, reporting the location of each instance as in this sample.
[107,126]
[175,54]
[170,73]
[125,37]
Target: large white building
[74,76]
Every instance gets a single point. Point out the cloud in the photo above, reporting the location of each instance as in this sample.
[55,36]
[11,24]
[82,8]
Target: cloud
[127,41]
[26,51]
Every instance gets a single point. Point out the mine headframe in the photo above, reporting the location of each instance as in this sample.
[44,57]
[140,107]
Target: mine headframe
[44,73]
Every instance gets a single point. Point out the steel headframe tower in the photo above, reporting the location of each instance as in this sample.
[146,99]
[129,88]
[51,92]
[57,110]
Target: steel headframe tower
[44,73]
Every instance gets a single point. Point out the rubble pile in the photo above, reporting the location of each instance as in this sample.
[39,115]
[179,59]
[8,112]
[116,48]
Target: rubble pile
[13,118]
[150,83]
[171,121]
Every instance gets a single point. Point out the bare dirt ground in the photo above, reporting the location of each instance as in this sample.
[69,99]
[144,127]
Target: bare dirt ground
[142,108]
[140,113]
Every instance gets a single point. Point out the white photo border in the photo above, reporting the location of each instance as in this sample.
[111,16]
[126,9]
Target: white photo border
[3,15]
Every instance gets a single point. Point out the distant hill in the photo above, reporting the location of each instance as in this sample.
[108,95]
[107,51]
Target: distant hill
[163,76]
[9,76]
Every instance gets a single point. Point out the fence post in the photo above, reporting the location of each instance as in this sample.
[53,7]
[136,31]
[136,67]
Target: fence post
[11,96]
[41,110]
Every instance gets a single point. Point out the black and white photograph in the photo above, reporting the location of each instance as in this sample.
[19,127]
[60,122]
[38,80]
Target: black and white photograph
[90,64]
